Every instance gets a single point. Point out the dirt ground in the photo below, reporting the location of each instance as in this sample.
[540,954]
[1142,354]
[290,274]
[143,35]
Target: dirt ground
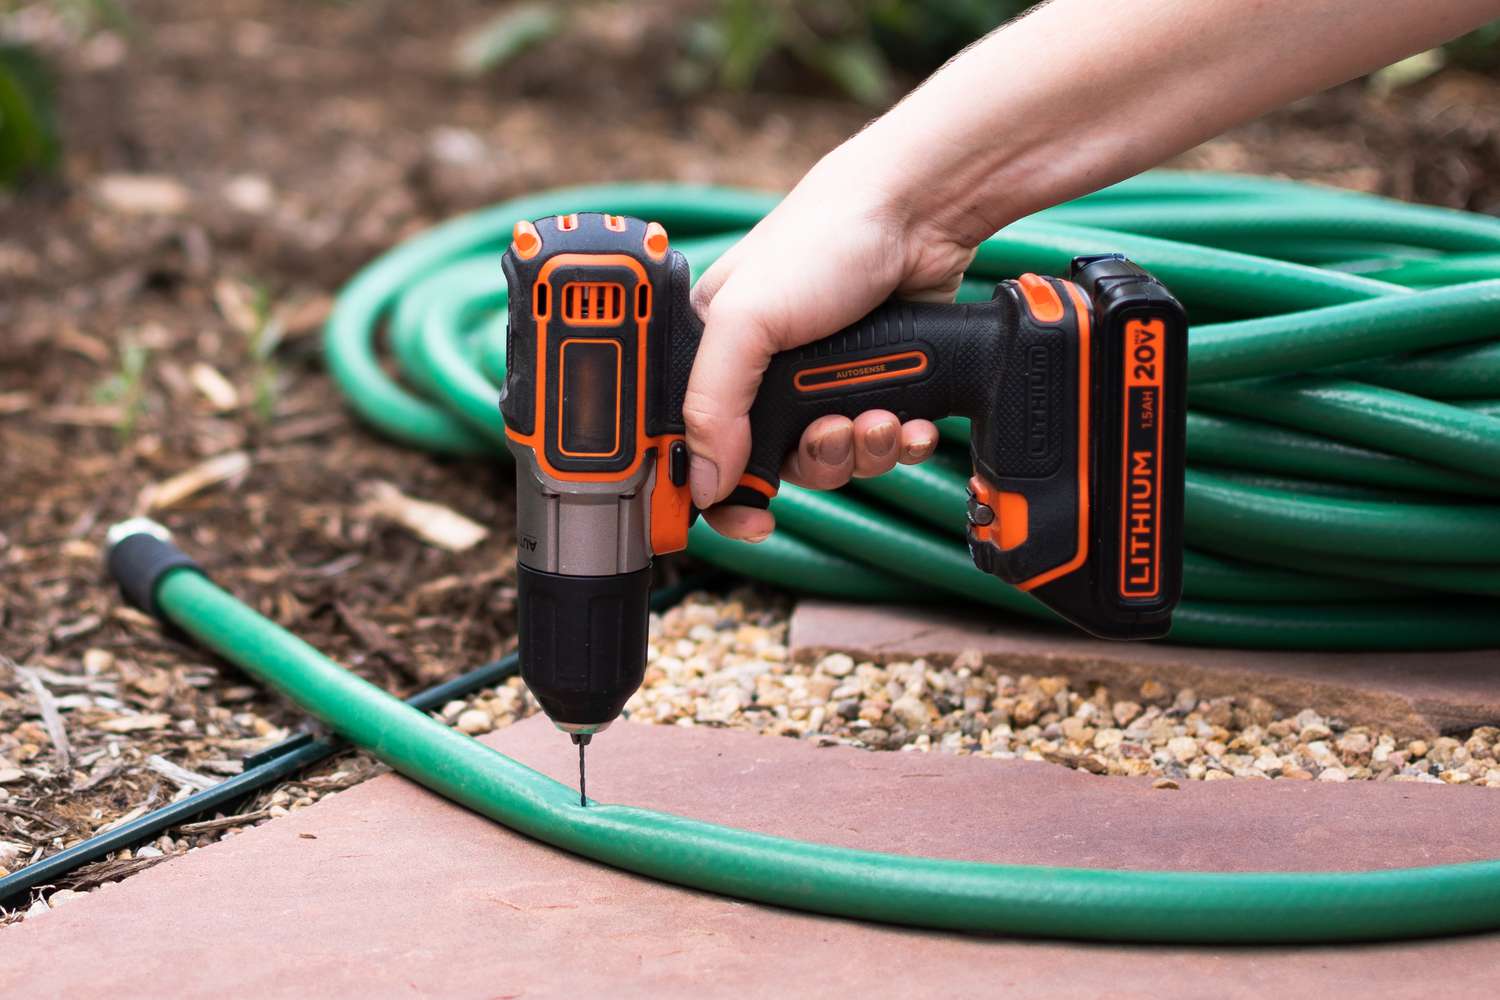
[224,173]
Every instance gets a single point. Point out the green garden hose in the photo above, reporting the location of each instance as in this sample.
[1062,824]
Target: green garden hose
[1343,490]
[1083,903]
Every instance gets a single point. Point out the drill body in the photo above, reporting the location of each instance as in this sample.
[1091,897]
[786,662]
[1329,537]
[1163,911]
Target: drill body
[1075,392]
[599,324]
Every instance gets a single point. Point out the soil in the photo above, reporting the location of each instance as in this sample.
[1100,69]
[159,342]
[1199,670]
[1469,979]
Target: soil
[283,145]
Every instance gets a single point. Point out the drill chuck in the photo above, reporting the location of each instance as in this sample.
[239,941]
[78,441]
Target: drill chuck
[583,643]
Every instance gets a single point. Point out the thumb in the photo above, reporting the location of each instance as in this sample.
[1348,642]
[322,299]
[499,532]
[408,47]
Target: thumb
[737,345]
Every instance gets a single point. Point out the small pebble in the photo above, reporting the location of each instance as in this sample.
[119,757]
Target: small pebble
[1183,748]
[475,721]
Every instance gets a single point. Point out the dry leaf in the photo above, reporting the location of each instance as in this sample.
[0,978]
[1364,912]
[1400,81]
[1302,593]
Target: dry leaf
[211,472]
[218,390]
[432,522]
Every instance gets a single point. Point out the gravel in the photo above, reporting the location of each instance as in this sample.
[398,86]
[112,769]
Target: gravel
[723,662]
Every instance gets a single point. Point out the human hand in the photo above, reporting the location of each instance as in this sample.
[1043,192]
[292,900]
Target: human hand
[840,244]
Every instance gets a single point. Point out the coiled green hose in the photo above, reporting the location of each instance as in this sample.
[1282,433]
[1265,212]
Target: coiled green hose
[1084,903]
[1344,441]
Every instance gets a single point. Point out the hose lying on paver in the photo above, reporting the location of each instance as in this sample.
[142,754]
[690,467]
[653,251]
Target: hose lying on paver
[1343,444]
[1085,903]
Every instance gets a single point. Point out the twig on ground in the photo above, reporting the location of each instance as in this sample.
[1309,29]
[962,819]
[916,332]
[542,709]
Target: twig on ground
[224,822]
[179,775]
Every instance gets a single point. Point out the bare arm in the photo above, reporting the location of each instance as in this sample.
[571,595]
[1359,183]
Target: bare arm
[1074,96]
[1081,94]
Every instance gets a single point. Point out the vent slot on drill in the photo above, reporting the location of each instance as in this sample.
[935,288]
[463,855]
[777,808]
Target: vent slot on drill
[593,303]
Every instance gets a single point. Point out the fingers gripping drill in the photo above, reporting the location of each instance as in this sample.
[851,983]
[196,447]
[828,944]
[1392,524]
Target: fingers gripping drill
[1075,390]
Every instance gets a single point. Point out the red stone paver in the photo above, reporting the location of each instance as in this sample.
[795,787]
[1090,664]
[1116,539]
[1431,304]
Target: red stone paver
[1412,694]
[386,890]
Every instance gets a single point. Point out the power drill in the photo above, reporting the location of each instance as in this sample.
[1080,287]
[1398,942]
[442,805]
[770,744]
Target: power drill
[1075,390]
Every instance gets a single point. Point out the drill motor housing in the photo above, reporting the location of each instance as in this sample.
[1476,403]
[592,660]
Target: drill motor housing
[1074,389]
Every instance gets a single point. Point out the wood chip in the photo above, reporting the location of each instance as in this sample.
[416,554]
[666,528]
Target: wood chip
[236,302]
[131,816]
[302,428]
[15,402]
[135,723]
[70,338]
[91,876]
[443,584]
[214,387]
[372,636]
[179,775]
[104,415]
[74,629]
[224,822]
[51,718]
[98,775]
[57,680]
[142,194]
[305,316]
[170,492]
[432,522]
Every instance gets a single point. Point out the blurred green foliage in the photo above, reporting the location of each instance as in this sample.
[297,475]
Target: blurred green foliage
[28,129]
[856,45]
[28,123]
[126,386]
[508,35]
[1478,49]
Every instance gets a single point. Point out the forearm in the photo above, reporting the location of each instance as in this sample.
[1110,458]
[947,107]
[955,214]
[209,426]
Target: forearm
[1083,93]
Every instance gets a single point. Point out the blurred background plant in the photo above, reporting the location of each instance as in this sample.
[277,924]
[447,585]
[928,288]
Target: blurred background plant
[28,127]
[857,46]
[860,47]
[28,120]
[866,50]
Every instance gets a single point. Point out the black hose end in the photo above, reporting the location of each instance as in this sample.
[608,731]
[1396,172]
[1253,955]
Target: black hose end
[139,553]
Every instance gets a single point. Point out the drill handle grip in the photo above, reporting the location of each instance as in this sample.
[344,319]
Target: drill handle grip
[917,360]
[1076,396]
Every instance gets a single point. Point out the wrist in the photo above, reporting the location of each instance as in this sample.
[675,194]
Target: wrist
[956,170]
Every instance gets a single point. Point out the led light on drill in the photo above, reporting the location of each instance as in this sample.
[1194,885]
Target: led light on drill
[656,242]
[525,240]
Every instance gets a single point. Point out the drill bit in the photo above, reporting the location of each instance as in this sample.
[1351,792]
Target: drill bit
[582,740]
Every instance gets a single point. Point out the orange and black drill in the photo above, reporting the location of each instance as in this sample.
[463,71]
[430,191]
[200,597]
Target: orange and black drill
[1075,390]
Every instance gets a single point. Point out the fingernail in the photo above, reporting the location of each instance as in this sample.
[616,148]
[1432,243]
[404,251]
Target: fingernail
[758,537]
[834,447]
[918,450]
[703,482]
[881,439]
